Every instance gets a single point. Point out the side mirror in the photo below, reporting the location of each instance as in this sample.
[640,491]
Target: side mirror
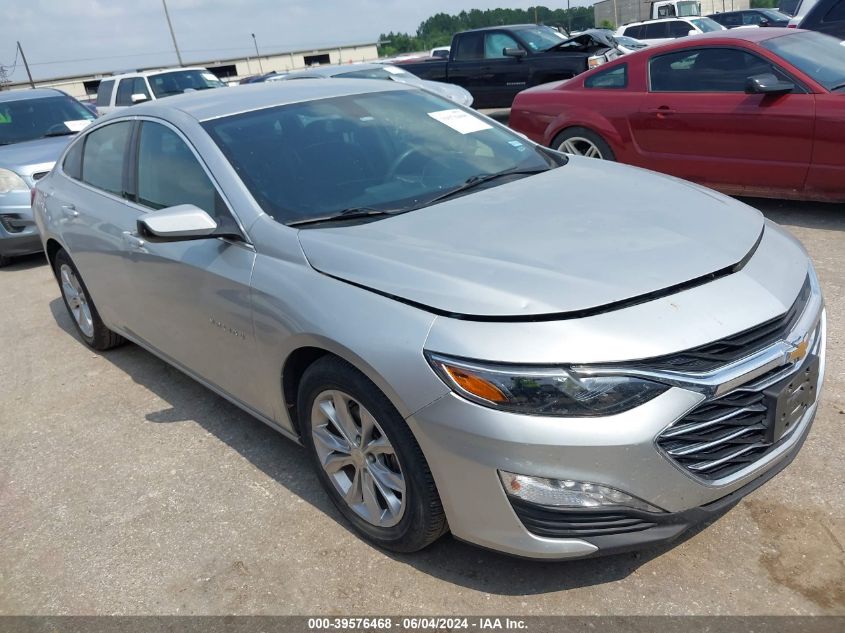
[764,22]
[514,52]
[138,97]
[767,84]
[176,224]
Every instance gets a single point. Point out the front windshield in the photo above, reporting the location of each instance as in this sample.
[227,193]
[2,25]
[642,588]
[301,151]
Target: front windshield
[686,9]
[30,119]
[706,24]
[539,38]
[821,56]
[384,150]
[179,81]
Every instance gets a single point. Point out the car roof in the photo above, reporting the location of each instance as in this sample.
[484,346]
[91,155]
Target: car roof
[30,93]
[220,102]
[150,73]
[335,69]
[507,27]
[749,35]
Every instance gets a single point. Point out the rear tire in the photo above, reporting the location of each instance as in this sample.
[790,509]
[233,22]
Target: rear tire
[81,307]
[356,437]
[5,261]
[580,141]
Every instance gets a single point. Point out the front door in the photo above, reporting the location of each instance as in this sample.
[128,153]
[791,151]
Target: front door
[697,122]
[190,299]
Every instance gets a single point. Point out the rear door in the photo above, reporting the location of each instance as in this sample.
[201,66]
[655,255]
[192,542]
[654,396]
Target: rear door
[697,122]
[190,299]
[91,215]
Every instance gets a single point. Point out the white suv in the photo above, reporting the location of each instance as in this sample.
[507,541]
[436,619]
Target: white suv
[128,89]
[668,29]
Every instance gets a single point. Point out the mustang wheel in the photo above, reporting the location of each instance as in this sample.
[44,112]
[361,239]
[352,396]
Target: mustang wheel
[580,141]
[82,310]
[367,458]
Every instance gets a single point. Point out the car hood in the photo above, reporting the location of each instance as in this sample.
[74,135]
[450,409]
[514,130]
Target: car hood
[577,238]
[32,156]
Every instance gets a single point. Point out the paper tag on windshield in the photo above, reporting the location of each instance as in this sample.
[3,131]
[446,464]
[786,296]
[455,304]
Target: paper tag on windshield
[209,76]
[460,121]
[393,70]
[77,126]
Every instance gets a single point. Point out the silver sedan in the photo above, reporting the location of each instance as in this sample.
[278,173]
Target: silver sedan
[451,319]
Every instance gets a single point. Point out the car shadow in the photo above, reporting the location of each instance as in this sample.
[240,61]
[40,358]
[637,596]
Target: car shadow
[25,262]
[811,215]
[286,463]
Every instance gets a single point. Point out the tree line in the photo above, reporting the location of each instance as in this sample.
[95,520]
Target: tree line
[438,29]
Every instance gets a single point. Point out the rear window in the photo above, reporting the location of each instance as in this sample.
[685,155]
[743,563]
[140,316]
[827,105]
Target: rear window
[179,81]
[104,92]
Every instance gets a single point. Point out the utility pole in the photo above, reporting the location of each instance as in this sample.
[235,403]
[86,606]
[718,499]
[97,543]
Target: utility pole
[26,65]
[535,16]
[568,18]
[257,54]
[172,34]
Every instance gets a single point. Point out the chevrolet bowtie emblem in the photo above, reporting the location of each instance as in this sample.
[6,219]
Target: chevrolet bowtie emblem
[799,352]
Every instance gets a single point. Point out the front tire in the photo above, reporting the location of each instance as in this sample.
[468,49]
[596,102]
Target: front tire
[5,261]
[367,459]
[80,306]
[580,141]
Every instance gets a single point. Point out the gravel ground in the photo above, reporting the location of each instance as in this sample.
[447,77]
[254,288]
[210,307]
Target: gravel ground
[128,488]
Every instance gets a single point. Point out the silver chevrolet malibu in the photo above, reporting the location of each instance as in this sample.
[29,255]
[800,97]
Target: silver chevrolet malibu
[461,331]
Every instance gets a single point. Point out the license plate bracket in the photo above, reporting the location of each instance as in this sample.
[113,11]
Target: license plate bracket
[788,400]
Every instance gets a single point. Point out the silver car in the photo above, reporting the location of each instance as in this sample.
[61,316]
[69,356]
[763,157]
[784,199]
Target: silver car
[459,95]
[448,317]
[34,129]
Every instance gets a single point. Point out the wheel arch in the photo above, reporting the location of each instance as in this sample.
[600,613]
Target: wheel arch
[51,248]
[594,123]
[305,351]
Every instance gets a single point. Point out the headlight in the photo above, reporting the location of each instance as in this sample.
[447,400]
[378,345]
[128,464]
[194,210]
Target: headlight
[595,60]
[10,181]
[543,391]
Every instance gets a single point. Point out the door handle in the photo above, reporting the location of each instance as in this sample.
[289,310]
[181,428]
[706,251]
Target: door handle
[133,242]
[662,111]
[69,211]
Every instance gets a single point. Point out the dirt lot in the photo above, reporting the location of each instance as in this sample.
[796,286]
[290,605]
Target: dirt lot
[127,488]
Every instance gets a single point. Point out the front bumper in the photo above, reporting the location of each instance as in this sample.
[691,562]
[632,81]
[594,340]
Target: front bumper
[18,233]
[467,444]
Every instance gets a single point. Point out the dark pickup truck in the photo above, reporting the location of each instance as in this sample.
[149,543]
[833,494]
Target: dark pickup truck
[495,63]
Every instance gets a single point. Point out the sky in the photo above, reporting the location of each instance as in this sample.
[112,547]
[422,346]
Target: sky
[71,37]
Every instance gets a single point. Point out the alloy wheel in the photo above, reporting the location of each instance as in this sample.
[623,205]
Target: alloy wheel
[580,146]
[76,300]
[359,459]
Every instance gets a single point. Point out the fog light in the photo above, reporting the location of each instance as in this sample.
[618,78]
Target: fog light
[568,493]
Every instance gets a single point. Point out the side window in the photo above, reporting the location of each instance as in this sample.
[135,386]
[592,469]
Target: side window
[836,13]
[731,19]
[102,158]
[612,78]
[656,30]
[72,165]
[679,28]
[169,173]
[750,18]
[470,46]
[496,43]
[124,92]
[634,31]
[706,70]
[104,93]
[140,88]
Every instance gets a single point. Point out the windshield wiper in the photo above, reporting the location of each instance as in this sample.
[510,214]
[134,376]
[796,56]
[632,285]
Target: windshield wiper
[59,133]
[839,87]
[347,214]
[475,181]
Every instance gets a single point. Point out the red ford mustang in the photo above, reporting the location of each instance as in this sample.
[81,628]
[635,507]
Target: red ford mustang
[749,112]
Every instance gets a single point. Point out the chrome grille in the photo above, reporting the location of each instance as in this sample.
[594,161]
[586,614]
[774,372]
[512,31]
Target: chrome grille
[722,436]
[732,348]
